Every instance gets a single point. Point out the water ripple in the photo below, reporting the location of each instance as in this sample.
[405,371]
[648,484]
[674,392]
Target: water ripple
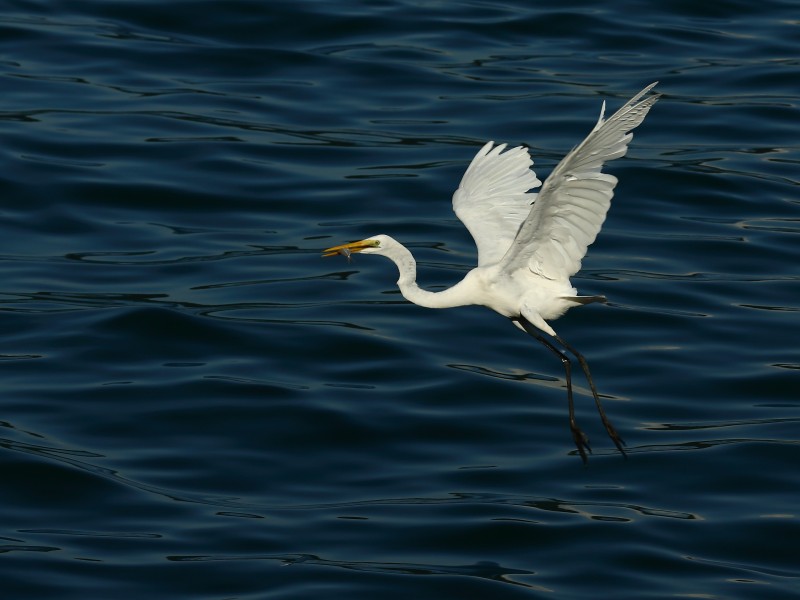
[190,389]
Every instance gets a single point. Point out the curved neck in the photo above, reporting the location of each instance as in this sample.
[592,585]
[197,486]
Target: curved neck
[407,267]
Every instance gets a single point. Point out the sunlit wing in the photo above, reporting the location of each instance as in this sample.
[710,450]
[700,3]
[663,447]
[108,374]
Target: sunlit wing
[493,200]
[573,202]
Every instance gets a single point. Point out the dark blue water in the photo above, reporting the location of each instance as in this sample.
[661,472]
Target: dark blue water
[196,405]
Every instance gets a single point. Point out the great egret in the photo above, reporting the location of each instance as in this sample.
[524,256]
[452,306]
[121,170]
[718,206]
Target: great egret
[529,244]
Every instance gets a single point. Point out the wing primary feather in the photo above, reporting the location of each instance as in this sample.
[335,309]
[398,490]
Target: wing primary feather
[493,198]
[573,202]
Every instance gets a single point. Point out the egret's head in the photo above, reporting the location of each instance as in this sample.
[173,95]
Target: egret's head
[367,246]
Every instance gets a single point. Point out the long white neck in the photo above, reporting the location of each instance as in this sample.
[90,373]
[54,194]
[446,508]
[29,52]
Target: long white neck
[407,267]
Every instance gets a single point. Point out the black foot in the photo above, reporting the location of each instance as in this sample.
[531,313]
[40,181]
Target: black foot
[615,437]
[581,442]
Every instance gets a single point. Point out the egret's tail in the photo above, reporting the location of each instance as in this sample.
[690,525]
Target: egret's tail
[585,299]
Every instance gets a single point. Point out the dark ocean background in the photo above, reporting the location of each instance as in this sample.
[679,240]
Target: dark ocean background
[195,404]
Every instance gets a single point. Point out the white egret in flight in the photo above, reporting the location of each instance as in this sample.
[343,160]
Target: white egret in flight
[529,244]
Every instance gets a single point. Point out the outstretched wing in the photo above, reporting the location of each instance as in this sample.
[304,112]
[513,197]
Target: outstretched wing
[492,199]
[574,200]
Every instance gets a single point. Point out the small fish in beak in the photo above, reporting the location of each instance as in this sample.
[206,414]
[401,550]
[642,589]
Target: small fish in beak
[347,250]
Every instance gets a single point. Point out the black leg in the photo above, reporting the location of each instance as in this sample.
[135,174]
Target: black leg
[581,441]
[580,438]
[612,433]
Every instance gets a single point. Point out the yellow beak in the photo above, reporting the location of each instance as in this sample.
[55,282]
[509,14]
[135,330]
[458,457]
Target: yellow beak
[351,248]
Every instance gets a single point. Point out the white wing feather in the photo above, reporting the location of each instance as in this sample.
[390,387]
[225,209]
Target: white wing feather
[492,199]
[572,204]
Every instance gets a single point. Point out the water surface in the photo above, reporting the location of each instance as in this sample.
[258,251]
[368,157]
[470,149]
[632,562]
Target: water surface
[196,405]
